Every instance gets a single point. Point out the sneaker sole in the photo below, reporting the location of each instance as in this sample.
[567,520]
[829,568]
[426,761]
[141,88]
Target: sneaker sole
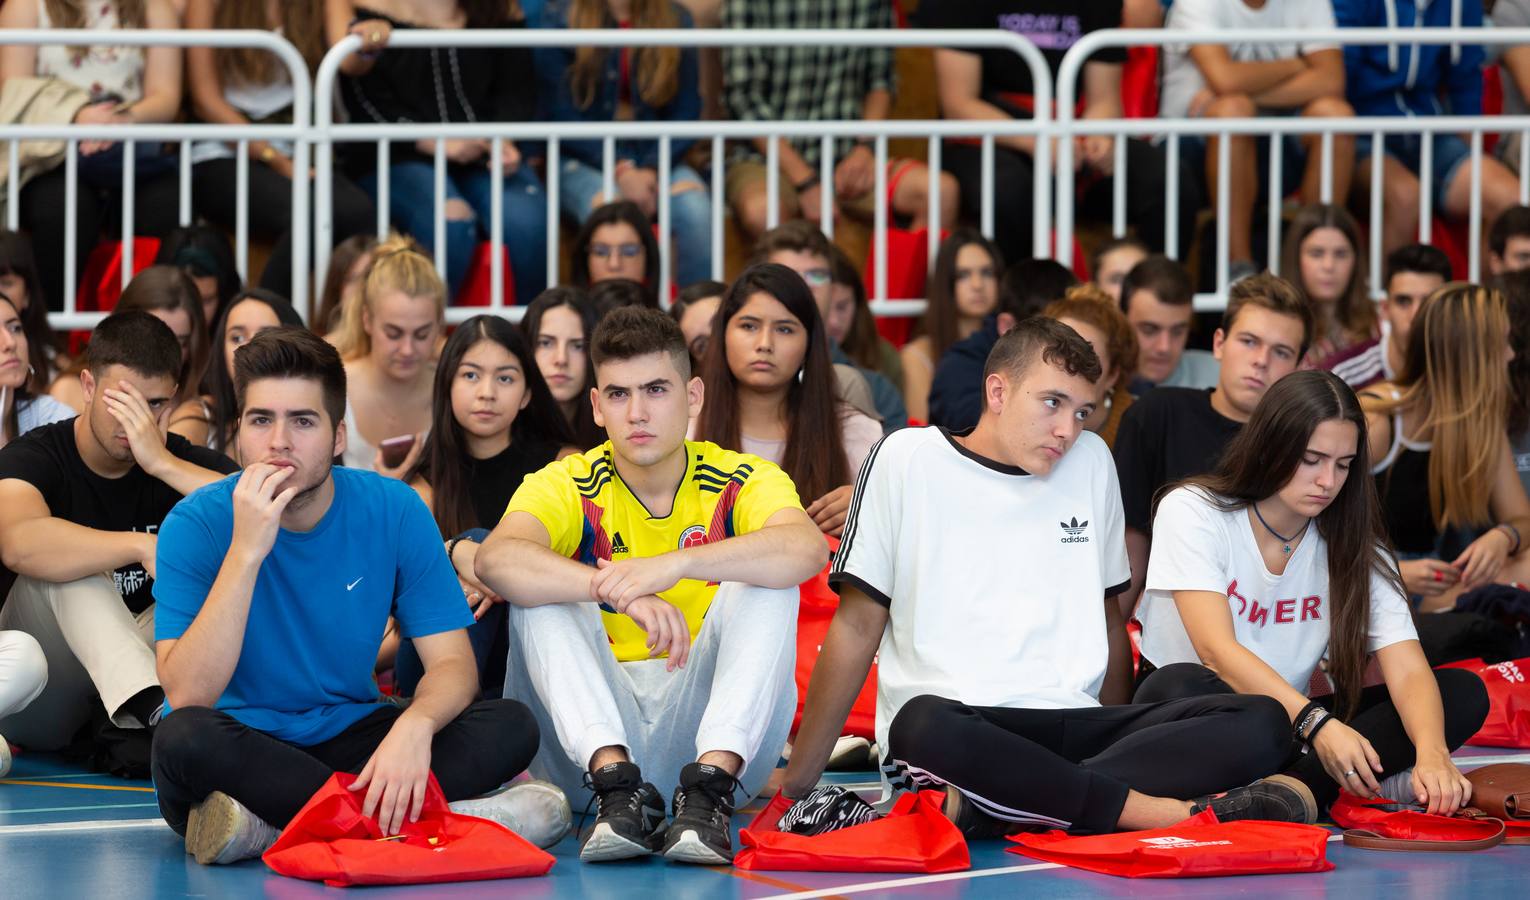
[690,848]
[210,829]
[605,845]
[1309,804]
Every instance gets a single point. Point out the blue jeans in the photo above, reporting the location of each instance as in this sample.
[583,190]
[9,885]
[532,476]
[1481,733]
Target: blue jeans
[411,207]
[1450,154]
[690,215]
[490,637]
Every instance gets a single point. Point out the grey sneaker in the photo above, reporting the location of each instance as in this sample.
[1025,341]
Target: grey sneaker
[1278,798]
[535,810]
[5,757]
[221,830]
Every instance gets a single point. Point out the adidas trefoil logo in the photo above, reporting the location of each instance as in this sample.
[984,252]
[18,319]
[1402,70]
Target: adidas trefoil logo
[617,546]
[1073,531]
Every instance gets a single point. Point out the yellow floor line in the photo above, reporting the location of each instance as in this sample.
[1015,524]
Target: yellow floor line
[80,787]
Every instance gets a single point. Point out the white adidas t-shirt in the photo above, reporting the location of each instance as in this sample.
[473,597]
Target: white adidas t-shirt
[994,579]
[1182,79]
[1283,619]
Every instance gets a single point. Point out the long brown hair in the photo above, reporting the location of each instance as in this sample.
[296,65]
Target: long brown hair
[655,70]
[444,463]
[16,258]
[862,343]
[302,24]
[331,299]
[162,287]
[814,457]
[939,321]
[1262,458]
[1354,312]
[587,435]
[1456,378]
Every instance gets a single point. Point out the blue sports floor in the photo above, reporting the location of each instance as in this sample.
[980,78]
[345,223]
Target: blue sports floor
[67,834]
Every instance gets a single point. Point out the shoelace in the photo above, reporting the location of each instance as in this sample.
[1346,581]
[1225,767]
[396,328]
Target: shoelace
[597,796]
[712,801]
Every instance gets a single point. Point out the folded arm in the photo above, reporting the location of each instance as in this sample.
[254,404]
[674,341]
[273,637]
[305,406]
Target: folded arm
[37,544]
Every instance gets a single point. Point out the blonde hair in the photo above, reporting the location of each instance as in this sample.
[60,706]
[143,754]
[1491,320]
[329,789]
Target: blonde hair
[398,264]
[655,70]
[1456,376]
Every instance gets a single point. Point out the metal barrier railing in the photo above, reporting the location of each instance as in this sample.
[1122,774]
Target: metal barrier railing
[179,133]
[1376,127]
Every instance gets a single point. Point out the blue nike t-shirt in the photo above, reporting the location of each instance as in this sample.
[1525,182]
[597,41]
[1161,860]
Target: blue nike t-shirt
[321,600]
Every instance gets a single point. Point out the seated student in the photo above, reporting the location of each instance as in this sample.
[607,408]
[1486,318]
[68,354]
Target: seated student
[852,326]
[20,283]
[770,389]
[1509,241]
[956,393]
[1092,313]
[1440,443]
[493,422]
[558,325]
[1245,80]
[20,409]
[615,556]
[995,691]
[801,247]
[1157,298]
[963,291]
[693,310]
[389,350]
[206,255]
[1407,79]
[1322,255]
[1113,261]
[81,501]
[614,293]
[271,692]
[1275,562]
[1173,433]
[1413,272]
[616,241]
[348,264]
[249,313]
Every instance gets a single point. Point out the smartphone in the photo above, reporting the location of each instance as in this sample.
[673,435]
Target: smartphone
[395,449]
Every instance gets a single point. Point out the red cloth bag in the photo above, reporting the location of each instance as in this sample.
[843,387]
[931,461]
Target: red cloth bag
[1371,819]
[330,840]
[814,613]
[915,837]
[1508,687]
[1198,847]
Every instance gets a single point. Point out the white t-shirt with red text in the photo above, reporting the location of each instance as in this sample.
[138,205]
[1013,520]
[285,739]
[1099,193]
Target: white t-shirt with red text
[1283,619]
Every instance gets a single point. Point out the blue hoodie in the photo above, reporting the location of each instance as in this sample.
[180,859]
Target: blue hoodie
[1412,79]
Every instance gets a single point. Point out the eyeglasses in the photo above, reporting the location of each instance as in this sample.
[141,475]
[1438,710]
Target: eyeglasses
[816,277]
[627,251]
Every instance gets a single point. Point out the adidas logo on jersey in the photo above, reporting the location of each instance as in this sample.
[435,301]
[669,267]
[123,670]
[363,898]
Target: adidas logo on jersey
[1073,531]
[617,546]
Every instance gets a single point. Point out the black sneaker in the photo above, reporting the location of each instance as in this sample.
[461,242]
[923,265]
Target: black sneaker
[973,823]
[702,831]
[1278,798]
[630,820]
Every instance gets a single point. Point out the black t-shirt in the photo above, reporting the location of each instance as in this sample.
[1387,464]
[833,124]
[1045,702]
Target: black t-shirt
[48,459]
[492,482]
[1054,26]
[1169,434]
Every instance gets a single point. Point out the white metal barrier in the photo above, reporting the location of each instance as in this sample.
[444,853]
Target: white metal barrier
[1377,127]
[179,133]
[327,132]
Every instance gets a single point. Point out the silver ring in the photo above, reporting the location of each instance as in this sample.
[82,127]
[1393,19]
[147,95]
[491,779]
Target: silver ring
[1350,774]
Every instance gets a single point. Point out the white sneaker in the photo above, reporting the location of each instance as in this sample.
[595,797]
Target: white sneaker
[851,752]
[221,830]
[5,757]
[535,810]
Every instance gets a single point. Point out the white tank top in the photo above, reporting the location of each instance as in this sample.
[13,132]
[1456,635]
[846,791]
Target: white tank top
[99,71]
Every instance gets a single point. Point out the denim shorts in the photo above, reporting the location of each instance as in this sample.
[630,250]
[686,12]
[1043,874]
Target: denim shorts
[1450,154]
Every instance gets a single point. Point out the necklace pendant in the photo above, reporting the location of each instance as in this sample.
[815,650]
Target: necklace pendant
[1286,548]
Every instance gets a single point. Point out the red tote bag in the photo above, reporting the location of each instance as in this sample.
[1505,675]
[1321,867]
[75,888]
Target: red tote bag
[1508,687]
[331,841]
[1378,825]
[814,613]
[1198,847]
[915,837]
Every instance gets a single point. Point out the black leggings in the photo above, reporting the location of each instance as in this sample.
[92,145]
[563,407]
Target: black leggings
[1072,768]
[198,750]
[1461,692]
[214,193]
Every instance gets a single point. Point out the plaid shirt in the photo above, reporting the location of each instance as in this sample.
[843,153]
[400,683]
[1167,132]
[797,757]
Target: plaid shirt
[806,83]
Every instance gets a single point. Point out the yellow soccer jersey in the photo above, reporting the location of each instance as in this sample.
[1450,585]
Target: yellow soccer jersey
[590,514]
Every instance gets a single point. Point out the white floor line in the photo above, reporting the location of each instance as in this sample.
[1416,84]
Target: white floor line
[929,879]
[95,825]
[1475,761]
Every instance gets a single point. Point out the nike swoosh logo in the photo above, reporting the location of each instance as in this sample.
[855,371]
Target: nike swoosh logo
[354,583]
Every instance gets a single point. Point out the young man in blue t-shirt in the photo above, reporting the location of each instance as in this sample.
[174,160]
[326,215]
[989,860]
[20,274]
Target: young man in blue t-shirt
[273,593]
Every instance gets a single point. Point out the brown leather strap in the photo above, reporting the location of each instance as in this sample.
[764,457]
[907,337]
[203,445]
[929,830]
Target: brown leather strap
[1370,840]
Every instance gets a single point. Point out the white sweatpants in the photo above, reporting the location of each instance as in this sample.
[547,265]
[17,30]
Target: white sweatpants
[94,646]
[23,671]
[736,693]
